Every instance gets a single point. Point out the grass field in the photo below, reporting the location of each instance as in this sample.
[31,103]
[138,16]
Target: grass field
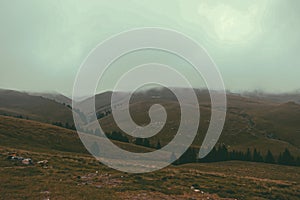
[73,174]
[80,176]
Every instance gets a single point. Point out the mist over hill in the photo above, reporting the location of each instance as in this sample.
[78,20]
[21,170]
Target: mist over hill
[39,126]
[251,122]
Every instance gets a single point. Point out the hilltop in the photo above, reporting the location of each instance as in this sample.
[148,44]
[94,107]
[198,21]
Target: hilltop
[250,122]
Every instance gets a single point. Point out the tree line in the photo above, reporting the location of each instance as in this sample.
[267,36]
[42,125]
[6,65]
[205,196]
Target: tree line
[16,116]
[221,153]
[217,154]
[64,125]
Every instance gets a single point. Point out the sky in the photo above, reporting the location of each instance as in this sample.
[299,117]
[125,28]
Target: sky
[255,44]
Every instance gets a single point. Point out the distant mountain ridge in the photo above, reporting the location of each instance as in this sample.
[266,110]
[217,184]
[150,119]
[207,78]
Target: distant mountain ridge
[280,98]
[251,122]
[24,105]
[54,96]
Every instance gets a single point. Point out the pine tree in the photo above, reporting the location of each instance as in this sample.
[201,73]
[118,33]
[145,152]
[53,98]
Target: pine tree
[118,136]
[158,145]
[286,158]
[138,141]
[269,157]
[189,156]
[211,157]
[235,155]
[248,156]
[146,142]
[257,156]
[222,153]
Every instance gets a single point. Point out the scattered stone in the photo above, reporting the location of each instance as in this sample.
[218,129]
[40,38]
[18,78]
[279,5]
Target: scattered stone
[42,162]
[27,161]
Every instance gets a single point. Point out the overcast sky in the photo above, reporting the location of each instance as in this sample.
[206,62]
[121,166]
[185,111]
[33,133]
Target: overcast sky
[255,44]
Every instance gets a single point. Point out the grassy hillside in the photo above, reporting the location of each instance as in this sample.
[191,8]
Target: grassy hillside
[37,108]
[73,174]
[53,96]
[79,176]
[32,135]
[249,123]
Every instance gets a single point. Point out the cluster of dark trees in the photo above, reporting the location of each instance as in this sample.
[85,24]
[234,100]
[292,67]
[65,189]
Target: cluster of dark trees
[145,142]
[115,135]
[69,106]
[221,153]
[118,136]
[16,116]
[142,142]
[217,154]
[64,125]
[103,114]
